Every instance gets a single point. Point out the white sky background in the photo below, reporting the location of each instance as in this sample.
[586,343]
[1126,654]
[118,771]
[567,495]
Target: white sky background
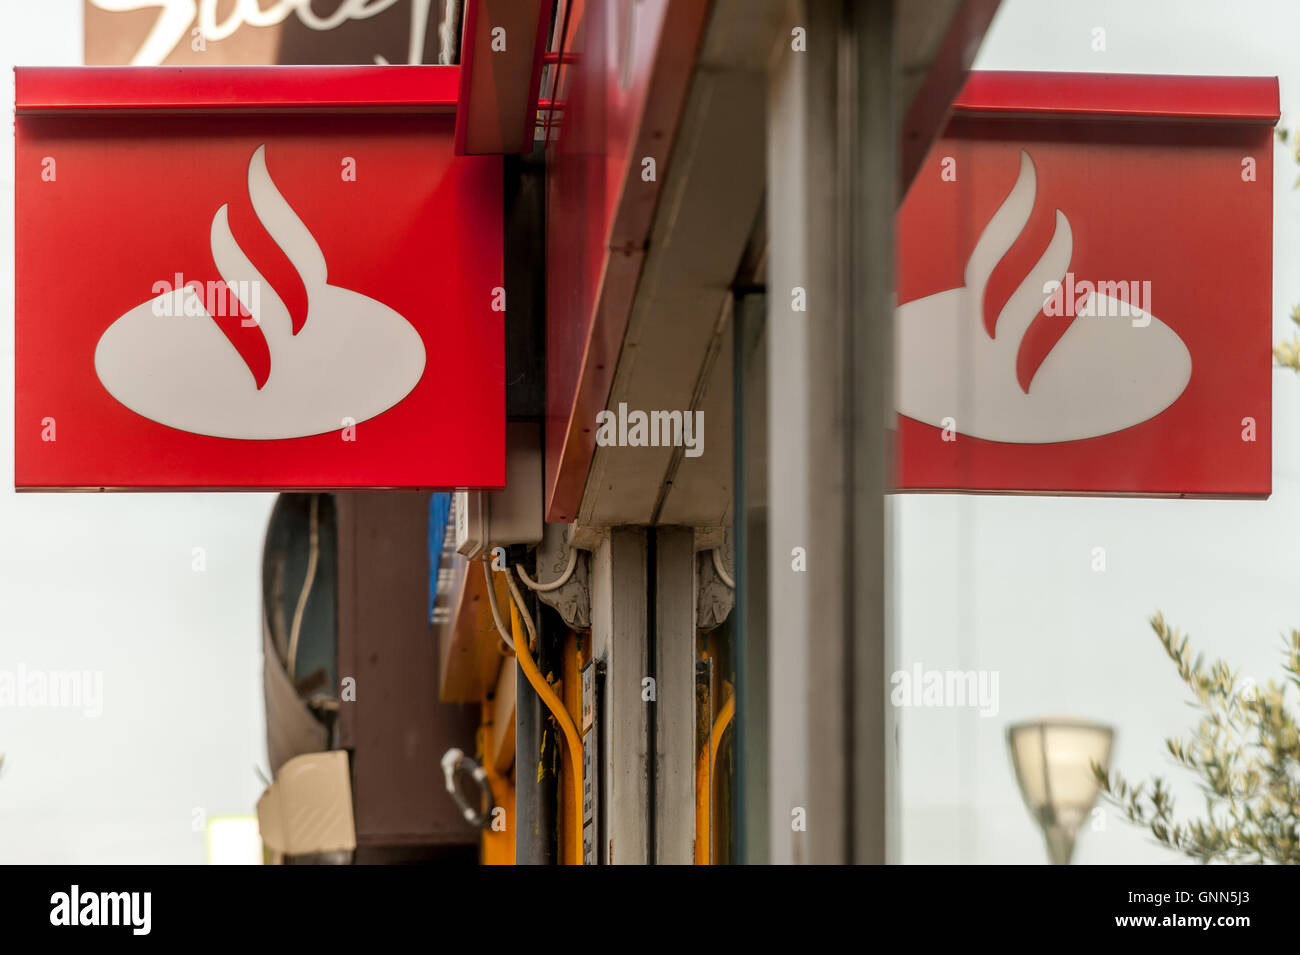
[104,582]
[1005,583]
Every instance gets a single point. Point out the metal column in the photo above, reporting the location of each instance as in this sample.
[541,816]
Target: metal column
[831,185]
[869,170]
[674,707]
[750,650]
[618,629]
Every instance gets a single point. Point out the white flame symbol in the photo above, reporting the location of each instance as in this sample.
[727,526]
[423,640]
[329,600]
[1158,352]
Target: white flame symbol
[1105,374]
[353,358]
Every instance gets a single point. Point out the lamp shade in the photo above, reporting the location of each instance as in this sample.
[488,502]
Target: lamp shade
[1053,762]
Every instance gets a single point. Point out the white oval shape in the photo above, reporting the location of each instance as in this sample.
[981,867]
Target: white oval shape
[353,357]
[1104,375]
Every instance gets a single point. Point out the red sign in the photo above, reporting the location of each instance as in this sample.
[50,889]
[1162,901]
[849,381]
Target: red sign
[1085,289]
[255,278]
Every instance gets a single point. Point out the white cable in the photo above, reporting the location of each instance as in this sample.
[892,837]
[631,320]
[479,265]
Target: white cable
[523,611]
[722,571]
[492,602]
[296,627]
[554,584]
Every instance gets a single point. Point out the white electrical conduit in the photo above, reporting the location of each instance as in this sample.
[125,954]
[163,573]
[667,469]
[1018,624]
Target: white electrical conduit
[296,627]
[554,584]
[496,611]
[722,571]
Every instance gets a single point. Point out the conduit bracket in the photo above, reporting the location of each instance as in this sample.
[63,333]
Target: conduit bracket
[573,600]
[713,597]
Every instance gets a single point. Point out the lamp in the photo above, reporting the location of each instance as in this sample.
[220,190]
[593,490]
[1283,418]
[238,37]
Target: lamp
[1053,762]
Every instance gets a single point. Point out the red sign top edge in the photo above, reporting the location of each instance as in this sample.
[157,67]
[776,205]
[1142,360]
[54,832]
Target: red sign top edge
[421,89]
[1222,99]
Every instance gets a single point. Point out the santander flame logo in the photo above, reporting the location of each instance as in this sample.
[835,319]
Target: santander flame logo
[352,358]
[1103,375]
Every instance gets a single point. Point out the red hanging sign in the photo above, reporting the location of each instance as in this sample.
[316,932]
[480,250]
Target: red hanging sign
[1085,289]
[255,278]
